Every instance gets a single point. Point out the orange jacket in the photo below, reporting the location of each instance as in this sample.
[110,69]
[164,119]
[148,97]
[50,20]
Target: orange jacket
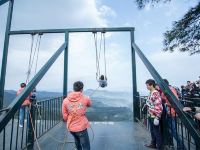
[171,110]
[27,100]
[73,111]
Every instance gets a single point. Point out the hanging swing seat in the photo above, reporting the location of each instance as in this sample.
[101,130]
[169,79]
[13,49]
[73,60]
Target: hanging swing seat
[101,79]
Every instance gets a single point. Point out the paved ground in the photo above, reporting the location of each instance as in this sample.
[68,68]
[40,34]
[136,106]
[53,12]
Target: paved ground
[107,136]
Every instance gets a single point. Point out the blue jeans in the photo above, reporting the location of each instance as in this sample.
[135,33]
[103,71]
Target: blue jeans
[155,134]
[82,141]
[173,133]
[22,114]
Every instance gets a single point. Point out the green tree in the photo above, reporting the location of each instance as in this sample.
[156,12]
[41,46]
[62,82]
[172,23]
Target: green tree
[185,33]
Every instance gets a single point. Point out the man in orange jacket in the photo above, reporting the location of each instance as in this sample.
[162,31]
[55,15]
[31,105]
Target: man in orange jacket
[24,104]
[73,111]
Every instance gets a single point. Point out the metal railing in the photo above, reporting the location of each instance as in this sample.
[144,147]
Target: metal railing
[47,114]
[173,131]
[188,122]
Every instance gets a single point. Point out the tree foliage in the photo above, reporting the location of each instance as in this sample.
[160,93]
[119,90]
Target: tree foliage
[142,3]
[185,33]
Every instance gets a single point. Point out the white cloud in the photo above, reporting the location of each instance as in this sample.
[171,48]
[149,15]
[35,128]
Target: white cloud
[177,67]
[148,7]
[172,11]
[107,11]
[37,14]
[81,45]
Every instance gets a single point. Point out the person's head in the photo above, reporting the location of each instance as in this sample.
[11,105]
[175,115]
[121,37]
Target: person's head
[102,77]
[166,81]
[188,82]
[22,85]
[78,86]
[182,86]
[150,84]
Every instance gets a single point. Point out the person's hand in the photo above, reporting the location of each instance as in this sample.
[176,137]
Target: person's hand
[156,121]
[197,116]
[185,109]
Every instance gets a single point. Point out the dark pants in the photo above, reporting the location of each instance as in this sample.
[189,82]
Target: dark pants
[82,141]
[155,134]
[173,133]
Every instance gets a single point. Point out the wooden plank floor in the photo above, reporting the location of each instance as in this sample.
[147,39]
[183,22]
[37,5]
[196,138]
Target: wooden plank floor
[107,136]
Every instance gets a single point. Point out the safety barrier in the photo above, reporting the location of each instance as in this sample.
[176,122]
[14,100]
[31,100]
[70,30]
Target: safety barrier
[174,132]
[44,116]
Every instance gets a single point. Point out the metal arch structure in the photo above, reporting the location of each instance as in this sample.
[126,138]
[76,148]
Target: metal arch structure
[67,32]
[14,106]
[8,33]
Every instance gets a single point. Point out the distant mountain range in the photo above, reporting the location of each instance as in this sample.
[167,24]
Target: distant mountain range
[101,98]
[106,105]
[9,95]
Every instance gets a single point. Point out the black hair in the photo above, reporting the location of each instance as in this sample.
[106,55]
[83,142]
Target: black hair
[102,77]
[78,86]
[151,82]
[166,81]
[23,85]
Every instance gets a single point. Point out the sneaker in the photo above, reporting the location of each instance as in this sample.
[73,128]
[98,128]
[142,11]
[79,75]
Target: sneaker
[21,126]
[150,146]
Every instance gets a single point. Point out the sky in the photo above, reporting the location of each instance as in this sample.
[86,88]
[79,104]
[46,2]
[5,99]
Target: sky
[150,23]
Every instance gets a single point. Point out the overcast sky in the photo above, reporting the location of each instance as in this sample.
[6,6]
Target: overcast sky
[150,24]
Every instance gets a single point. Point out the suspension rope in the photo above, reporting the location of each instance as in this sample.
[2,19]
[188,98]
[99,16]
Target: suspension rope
[36,63]
[30,57]
[49,135]
[52,137]
[33,128]
[102,47]
[97,59]
[34,53]
[35,49]
[66,134]
[104,43]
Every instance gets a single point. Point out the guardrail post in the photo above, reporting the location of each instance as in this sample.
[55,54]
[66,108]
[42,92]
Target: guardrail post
[65,78]
[31,125]
[136,102]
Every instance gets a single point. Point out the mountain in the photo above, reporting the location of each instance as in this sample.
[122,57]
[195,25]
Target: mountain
[113,99]
[101,98]
[106,105]
[9,96]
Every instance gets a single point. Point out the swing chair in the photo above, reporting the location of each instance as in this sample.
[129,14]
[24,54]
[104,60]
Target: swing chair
[101,78]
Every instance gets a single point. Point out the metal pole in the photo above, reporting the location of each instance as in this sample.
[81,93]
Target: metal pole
[5,52]
[65,78]
[71,30]
[136,113]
